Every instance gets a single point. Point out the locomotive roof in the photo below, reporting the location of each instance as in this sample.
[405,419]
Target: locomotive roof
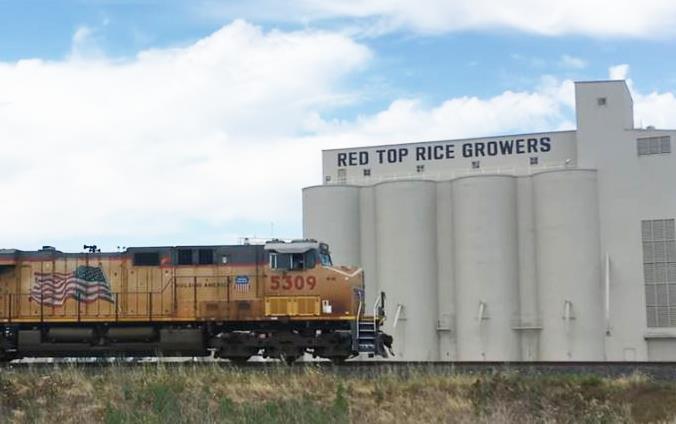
[50,251]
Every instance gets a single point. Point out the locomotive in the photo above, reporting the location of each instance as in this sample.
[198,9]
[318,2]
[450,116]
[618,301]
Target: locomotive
[278,300]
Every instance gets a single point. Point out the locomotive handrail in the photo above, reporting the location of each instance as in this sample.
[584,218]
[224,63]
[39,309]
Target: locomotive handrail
[375,311]
[358,319]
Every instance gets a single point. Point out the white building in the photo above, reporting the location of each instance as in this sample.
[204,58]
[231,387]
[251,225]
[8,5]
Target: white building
[535,247]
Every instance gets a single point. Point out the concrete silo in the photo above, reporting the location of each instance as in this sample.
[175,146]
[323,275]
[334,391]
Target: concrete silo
[529,324]
[331,214]
[445,273]
[486,267]
[569,265]
[407,265]
[368,245]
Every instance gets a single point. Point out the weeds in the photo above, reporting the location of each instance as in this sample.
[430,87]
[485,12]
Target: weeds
[204,394]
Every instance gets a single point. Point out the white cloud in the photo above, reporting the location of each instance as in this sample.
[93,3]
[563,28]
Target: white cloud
[408,120]
[95,147]
[572,62]
[597,18]
[618,72]
[225,130]
[650,109]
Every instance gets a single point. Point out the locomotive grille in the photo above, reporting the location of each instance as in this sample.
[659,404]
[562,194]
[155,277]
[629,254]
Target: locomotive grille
[292,306]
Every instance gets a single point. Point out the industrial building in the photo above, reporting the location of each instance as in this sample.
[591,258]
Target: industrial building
[554,246]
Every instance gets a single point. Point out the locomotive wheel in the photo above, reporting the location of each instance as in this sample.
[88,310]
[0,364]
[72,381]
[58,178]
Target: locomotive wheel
[238,360]
[338,360]
[288,359]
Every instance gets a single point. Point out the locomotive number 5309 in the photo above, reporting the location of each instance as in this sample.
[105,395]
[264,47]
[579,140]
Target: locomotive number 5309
[288,282]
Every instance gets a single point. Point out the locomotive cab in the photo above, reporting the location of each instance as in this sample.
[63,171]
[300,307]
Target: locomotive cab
[298,255]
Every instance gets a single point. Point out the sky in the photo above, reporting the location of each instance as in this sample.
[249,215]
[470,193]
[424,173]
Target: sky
[168,122]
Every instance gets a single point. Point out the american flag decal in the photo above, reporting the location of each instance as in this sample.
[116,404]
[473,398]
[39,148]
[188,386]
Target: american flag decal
[86,284]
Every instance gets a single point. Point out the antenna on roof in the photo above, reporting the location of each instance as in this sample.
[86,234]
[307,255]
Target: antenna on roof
[91,248]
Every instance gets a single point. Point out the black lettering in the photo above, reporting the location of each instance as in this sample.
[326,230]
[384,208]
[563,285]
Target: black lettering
[467,150]
[479,149]
[438,152]
[363,158]
[545,144]
[450,151]
[506,147]
[341,159]
[352,158]
[420,153]
[392,156]
[403,152]
[532,145]
[492,148]
[380,155]
[520,148]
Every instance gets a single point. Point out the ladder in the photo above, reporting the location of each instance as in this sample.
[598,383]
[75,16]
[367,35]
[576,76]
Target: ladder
[366,335]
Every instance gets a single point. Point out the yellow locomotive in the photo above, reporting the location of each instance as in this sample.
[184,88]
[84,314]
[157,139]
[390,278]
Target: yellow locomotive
[279,300]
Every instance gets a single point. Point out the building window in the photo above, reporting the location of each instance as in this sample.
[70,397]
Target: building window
[420,168]
[328,179]
[653,145]
[659,271]
[534,160]
[475,164]
[601,101]
[342,176]
[367,172]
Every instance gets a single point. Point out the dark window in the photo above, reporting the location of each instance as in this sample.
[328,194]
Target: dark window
[367,172]
[475,164]
[310,259]
[297,261]
[534,160]
[185,256]
[147,259]
[601,101]
[420,168]
[206,256]
[280,261]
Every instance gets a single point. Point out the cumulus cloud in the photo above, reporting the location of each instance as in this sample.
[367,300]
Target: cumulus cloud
[654,108]
[597,18]
[618,72]
[220,132]
[412,120]
[95,147]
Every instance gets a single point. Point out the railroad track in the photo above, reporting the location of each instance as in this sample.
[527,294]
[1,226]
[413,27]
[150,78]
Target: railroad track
[655,370]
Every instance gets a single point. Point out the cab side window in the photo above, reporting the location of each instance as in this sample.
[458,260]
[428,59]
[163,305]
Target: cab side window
[293,261]
[310,259]
[297,261]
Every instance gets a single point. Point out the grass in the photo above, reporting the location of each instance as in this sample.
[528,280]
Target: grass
[217,394]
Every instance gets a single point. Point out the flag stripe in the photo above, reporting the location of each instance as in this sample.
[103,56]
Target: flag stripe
[86,284]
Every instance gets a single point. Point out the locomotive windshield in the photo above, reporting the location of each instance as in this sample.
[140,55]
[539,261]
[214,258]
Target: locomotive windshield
[299,255]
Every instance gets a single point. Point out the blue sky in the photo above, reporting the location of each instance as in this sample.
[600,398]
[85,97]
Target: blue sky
[185,122]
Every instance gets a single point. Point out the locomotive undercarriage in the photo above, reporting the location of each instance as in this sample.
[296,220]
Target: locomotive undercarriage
[235,341]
